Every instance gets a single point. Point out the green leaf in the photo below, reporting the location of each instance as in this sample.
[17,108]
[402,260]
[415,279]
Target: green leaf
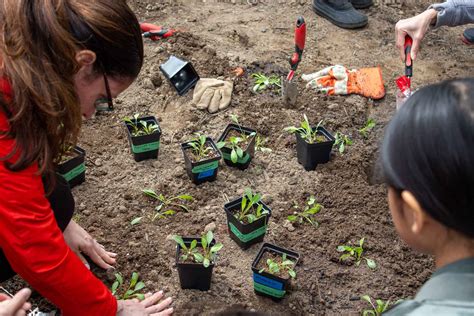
[216,247]
[366,298]
[204,242]
[198,257]
[150,193]
[206,262]
[134,279]
[292,218]
[185,197]
[361,242]
[119,278]
[341,248]
[115,287]
[240,152]
[179,241]
[193,244]
[344,257]
[371,263]
[261,270]
[140,296]
[292,273]
[140,285]
[243,204]
[209,237]
[233,156]
[220,145]
[251,218]
[135,221]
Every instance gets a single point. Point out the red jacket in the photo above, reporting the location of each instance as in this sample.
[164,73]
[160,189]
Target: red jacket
[34,245]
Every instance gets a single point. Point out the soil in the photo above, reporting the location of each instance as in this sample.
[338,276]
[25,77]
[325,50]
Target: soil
[216,37]
[235,133]
[213,153]
[275,257]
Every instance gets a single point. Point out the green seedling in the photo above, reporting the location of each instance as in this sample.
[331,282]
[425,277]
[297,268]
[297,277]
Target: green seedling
[342,141]
[250,208]
[274,267]
[369,126]
[234,141]
[356,253]
[199,149]
[308,214]
[260,144]
[168,206]
[205,254]
[309,134]
[140,127]
[263,82]
[133,288]
[378,308]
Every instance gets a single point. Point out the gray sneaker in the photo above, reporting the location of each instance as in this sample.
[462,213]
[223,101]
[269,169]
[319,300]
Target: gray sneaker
[340,13]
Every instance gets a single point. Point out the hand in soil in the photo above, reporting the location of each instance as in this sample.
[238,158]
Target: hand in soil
[16,305]
[81,242]
[151,305]
[213,94]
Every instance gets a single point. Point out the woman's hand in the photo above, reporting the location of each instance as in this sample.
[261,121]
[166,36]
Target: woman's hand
[81,242]
[16,305]
[416,27]
[151,305]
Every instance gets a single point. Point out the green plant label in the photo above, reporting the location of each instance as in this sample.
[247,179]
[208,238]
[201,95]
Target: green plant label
[268,290]
[74,172]
[206,167]
[242,160]
[248,237]
[138,149]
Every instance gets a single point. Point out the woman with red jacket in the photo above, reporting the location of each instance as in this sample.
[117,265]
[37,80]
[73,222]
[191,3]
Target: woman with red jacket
[60,60]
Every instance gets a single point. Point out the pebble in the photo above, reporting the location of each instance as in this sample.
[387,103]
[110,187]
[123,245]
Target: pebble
[86,212]
[289,226]
[210,227]
[98,162]
[148,84]
[122,208]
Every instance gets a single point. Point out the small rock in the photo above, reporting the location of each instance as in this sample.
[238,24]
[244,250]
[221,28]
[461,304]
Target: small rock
[289,226]
[122,208]
[86,212]
[210,227]
[98,163]
[148,84]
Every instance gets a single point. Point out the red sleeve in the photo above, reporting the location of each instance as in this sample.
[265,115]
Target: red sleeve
[35,247]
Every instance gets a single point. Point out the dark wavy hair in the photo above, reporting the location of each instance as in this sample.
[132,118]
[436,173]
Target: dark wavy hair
[428,150]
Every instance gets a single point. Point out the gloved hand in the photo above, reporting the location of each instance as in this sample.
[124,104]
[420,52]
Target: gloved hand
[337,80]
[212,94]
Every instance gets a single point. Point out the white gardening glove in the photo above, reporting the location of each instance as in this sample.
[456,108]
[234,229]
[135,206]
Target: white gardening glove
[213,94]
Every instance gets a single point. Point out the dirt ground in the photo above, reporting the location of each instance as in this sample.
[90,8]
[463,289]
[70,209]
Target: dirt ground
[216,37]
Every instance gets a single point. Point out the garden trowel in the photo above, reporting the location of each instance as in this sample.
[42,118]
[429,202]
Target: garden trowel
[289,88]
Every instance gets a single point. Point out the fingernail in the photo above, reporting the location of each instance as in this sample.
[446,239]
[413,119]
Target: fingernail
[88,266]
[160,292]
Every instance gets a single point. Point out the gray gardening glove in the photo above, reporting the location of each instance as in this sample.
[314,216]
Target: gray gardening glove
[212,94]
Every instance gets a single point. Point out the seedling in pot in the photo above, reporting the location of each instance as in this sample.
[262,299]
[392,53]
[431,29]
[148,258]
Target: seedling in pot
[309,134]
[168,206]
[133,290]
[378,306]
[200,147]
[306,215]
[205,254]
[260,144]
[140,127]
[263,82]
[250,208]
[356,253]
[369,126]
[234,143]
[277,267]
[342,141]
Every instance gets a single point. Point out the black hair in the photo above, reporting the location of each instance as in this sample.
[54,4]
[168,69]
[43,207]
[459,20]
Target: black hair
[428,150]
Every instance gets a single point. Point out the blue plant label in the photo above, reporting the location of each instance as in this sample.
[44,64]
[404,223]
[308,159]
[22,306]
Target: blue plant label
[258,278]
[206,174]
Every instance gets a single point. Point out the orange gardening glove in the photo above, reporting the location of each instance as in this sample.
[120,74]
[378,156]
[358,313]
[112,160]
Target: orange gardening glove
[337,80]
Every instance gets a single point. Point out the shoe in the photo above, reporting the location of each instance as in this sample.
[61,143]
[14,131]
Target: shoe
[468,36]
[362,4]
[340,13]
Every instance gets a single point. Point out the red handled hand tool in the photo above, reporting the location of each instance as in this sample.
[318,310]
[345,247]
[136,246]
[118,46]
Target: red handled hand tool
[155,32]
[300,41]
[289,89]
[408,58]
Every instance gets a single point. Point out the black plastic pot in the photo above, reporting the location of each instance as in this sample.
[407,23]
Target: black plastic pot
[249,152]
[74,170]
[245,235]
[146,146]
[194,275]
[310,155]
[181,74]
[269,285]
[204,170]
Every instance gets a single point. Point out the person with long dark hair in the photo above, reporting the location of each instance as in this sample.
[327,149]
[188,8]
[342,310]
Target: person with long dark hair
[60,60]
[427,161]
